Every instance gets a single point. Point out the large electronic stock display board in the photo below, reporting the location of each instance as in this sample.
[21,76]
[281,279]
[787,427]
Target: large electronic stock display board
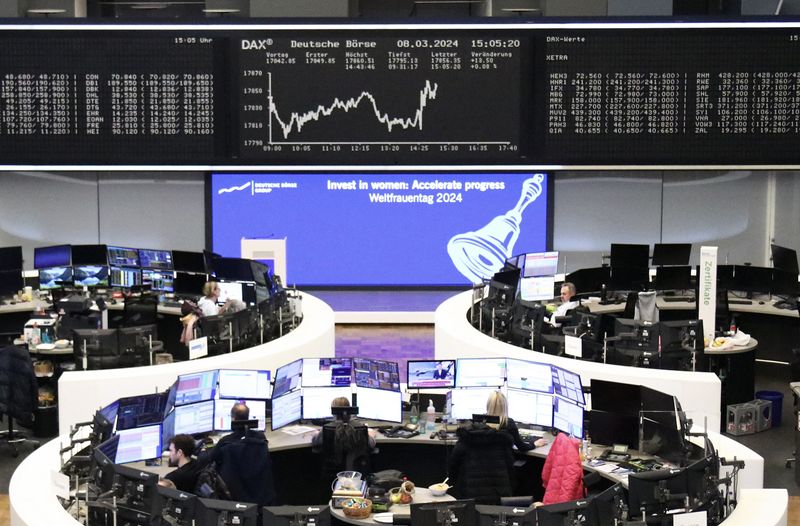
[541,96]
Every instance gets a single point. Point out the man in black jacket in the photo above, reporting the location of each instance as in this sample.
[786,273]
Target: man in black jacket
[181,449]
[481,463]
[242,460]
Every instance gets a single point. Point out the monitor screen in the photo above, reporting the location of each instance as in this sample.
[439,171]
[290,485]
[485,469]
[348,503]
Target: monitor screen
[568,417]
[381,211]
[168,429]
[54,278]
[184,261]
[311,515]
[189,284]
[90,276]
[469,401]
[674,278]
[10,258]
[196,387]
[480,372]
[322,372]
[244,383]
[571,512]
[530,408]
[89,255]
[192,419]
[671,254]
[377,374]
[645,488]
[459,512]
[222,413]
[379,404]
[178,507]
[125,277]
[568,384]
[286,409]
[142,410]
[748,278]
[537,288]
[155,259]
[630,256]
[233,269]
[784,258]
[55,256]
[588,280]
[540,264]
[287,378]
[123,257]
[109,412]
[158,280]
[784,283]
[10,282]
[532,376]
[230,291]
[616,397]
[210,512]
[317,400]
[431,373]
[137,444]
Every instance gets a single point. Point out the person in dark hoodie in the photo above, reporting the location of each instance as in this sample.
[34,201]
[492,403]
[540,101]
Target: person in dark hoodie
[242,460]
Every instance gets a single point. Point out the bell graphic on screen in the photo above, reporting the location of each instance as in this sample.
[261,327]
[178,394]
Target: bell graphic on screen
[480,254]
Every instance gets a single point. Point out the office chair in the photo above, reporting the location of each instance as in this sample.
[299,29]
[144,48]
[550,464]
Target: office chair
[722,316]
[20,397]
[140,310]
[336,459]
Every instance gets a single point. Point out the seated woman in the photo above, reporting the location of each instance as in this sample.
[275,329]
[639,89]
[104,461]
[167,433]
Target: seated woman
[497,405]
[346,445]
[208,303]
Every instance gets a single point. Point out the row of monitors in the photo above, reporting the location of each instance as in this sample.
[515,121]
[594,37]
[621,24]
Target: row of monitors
[79,255]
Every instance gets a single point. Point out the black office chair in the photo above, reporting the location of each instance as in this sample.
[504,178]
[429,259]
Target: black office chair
[140,310]
[340,457]
[481,465]
[722,316]
[19,395]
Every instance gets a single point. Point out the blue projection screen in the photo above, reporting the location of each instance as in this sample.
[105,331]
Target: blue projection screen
[384,229]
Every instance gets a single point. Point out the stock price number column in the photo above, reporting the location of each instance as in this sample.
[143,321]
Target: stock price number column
[378,96]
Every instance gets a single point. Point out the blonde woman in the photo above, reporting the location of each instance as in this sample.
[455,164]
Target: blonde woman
[497,405]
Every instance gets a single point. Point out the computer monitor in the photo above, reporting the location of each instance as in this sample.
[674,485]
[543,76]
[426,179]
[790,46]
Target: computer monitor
[168,428]
[155,259]
[188,284]
[424,374]
[503,287]
[568,384]
[89,255]
[784,283]
[125,277]
[469,401]
[141,410]
[609,428]
[140,443]
[460,512]
[103,422]
[538,264]
[230,290]
[567,513]
[630,278]
[529,407]
[158,280]
[531,376]
[480,372]
[317,400]
[674,278]
[310,515]
[11,258]
[701,479]
[196,387]
[55,256]
[210,512]
[377,374]
[233,269]
[568,417]
[287,378]
[251,384]
[95,348]
[724,276]
[54,278]
[184,261]
[642,492]
[222,413]
[286,409]
[784,259]
[194,419]
[327,372]
[671,254]
[506,515]
[101,470]
[748,278]
[678,339]
[537,288]
[123,257]
[637,345]
[90,276]
[136,491]
[138,340]
[11,282]
[177,507]
[588,280]
[379,404]
[630,256]
[661,432]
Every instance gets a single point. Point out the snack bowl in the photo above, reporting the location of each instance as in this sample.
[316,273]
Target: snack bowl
[357,508]
[439,489]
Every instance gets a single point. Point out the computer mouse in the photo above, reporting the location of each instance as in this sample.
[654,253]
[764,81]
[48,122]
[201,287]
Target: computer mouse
[760,302]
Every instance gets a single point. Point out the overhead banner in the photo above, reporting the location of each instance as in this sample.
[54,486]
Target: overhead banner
[707,300]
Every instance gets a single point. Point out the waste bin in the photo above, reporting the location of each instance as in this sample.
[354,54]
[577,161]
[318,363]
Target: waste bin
[45,424]
[777,404]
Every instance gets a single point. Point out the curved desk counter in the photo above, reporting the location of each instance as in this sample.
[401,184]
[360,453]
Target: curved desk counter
[81,393]
[33,498]
[699,393]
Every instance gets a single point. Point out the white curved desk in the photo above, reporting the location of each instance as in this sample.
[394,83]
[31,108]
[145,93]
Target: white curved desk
[81,393]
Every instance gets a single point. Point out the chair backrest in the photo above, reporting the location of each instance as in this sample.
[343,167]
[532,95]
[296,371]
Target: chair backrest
[341,454]
[140,310]
[646,308]
[485,471]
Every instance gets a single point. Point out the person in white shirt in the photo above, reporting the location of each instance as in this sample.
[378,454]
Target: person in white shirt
[208,303]
[567,293]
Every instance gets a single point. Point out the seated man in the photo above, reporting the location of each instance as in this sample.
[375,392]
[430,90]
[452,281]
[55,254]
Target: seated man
[567,293]
[345,444]
[181,449]
[242,460]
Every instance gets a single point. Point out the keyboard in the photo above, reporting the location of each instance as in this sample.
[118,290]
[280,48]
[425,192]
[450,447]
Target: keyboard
[671,299]
[737,301]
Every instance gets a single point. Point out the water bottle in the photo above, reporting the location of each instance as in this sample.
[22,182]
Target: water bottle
[431,417]
[414,418]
